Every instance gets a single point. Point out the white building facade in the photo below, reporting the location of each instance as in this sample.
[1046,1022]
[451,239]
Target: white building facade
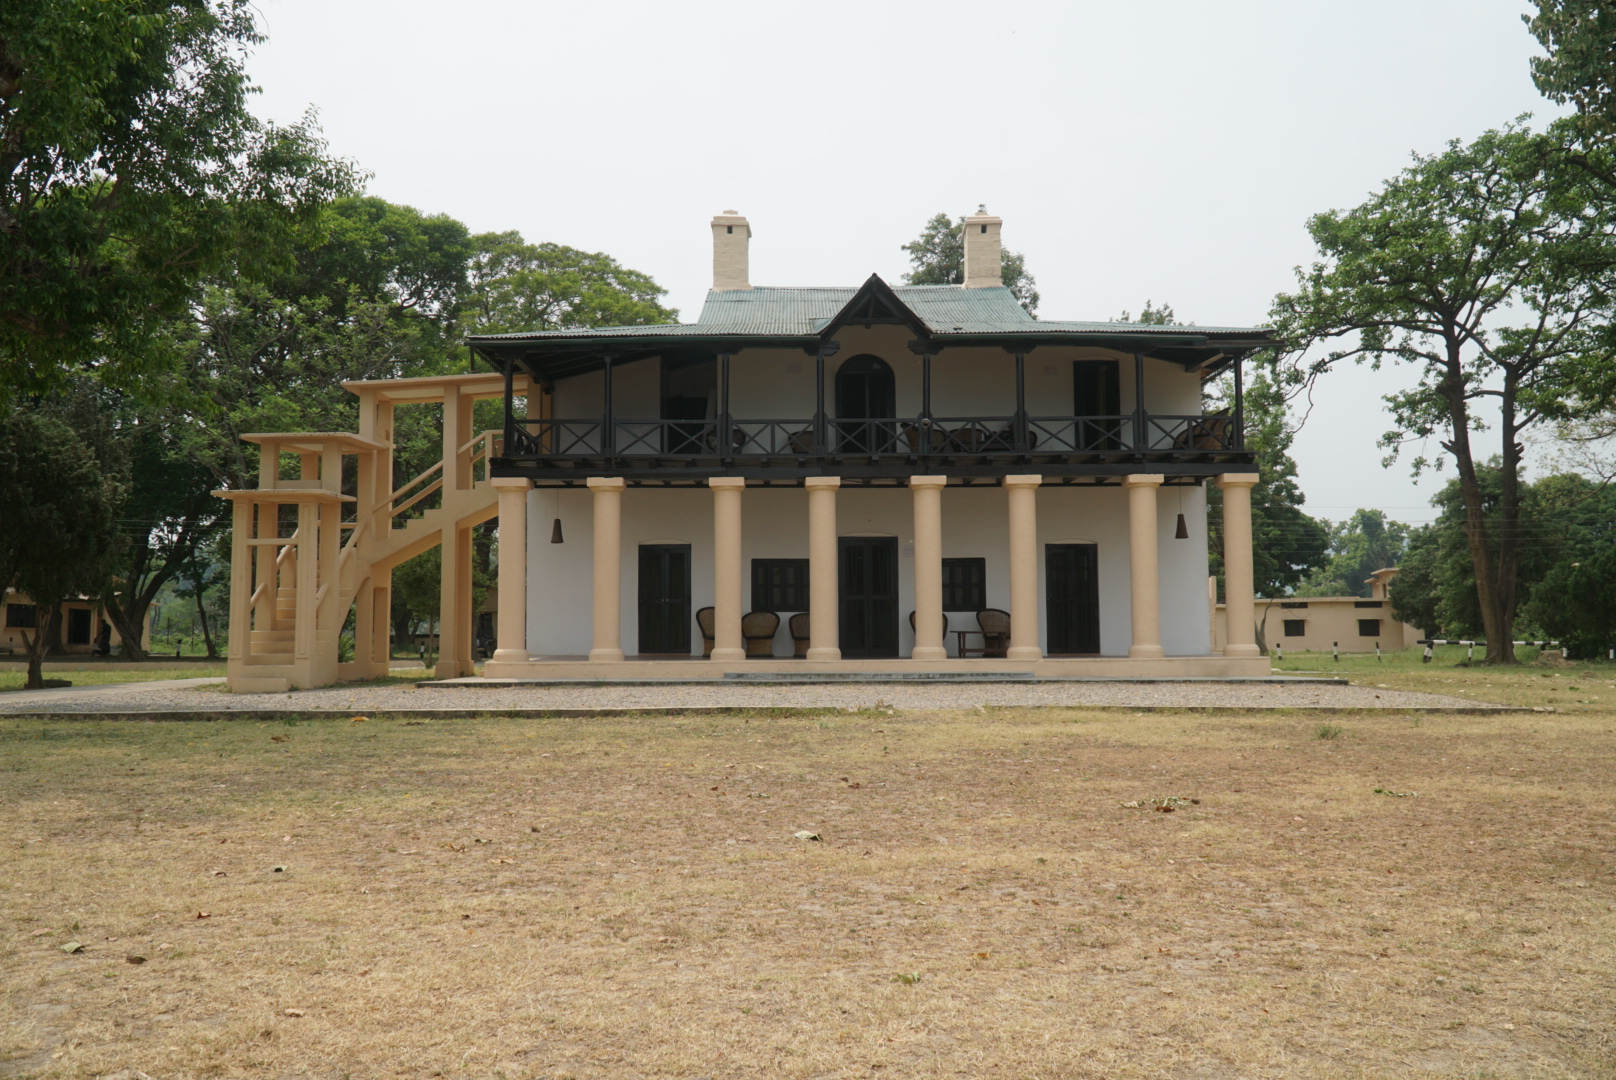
[895,461]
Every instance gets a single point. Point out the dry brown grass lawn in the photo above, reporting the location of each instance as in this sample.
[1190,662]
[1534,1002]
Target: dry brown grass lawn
[625,898]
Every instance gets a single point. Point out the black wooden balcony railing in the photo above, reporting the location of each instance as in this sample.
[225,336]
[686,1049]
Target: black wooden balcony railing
[948,437]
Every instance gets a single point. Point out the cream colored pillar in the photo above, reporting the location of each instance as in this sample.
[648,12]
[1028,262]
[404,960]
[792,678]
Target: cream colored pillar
[512,645]
[608,492]
[928,496]
[1240,605]
[728,644]
[1023,496]
[824,571]
[1143,578]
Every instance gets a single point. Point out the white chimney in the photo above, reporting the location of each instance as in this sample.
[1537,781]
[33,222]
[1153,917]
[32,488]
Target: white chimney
[982,250]
[731,267]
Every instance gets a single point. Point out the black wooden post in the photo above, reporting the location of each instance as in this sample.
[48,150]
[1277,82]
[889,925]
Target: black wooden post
[1141,439]
[1239,406]
[821,432]
[724,441]
[608,438]
[510,412]
[1020,428]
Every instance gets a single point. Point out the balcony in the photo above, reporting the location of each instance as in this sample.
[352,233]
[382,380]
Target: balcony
[874,448]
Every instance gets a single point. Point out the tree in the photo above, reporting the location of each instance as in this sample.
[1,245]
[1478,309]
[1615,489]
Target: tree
[58,528]
[1152,316]
[1486,265]
[514,285]
[1579,69]
[129,169]
[1364,543]
[1573,599]
[938,256]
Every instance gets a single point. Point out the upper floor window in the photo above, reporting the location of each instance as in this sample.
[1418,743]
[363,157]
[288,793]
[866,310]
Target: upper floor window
[865,391]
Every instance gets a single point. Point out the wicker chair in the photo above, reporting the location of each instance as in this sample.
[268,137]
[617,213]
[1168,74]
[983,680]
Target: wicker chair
[915,436]
[995,626]
[758,628]
[798,624]
[705,623]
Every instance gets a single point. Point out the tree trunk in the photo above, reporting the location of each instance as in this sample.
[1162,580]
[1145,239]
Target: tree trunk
[128,628]
[43,633]
[1495,623]
[199,585]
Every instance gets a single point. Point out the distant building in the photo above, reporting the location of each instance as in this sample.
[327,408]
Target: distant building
[82,625]
[1321,623]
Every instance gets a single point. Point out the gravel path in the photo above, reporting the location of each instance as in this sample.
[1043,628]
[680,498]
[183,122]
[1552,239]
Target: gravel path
[171,697]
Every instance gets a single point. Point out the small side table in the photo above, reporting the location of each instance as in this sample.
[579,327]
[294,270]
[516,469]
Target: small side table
[965,651]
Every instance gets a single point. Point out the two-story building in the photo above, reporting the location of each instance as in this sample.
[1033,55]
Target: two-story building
[897,457]
[873,478]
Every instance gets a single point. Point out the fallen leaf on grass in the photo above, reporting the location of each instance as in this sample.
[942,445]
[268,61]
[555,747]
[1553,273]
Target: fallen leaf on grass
[204,914]
[804,834]
[1395,794]
[278,870]
[501,860]
[135,959]
[357,719]
[72,947]
[294,1012]
[277,738]
[41,932]
[1132,804]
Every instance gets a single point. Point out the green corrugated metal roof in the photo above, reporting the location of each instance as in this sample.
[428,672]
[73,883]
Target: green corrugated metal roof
[769,311]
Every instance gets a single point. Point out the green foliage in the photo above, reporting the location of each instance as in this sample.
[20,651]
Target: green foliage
[1152,316]
[1359,546]
[58,528]
[1488,266]
[1574,601]
[938,257]
[130,167]
[515,285]
[1565,528]
[1579,69]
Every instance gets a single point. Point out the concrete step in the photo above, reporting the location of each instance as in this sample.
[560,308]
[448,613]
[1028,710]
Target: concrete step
[272,635]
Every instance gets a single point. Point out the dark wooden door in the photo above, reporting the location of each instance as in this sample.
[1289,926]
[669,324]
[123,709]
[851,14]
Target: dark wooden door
[1097,392]
[1072,585]
[78,626]
[869,597]
[866,395]
[665,598]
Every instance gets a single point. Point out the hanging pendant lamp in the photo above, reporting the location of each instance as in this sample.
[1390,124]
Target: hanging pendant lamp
[1183,530]
[555,530]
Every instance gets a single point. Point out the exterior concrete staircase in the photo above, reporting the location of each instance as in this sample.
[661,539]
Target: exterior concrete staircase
[292,597]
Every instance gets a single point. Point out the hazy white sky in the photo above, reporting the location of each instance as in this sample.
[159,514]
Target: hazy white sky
[1161,149]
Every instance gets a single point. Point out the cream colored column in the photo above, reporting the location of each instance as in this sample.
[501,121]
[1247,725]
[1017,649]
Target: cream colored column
[1143,578]
[727,642]
[1240,605]
[608,492]
[1023,499]
[512,645]
[824,571]
[928,496]
[450,629]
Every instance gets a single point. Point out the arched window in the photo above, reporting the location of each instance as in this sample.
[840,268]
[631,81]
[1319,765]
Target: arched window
[866,404]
